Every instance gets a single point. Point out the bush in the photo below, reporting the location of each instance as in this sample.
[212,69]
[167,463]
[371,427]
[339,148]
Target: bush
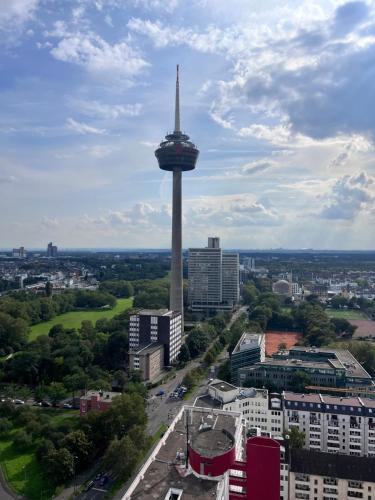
[22,441]
[5,425]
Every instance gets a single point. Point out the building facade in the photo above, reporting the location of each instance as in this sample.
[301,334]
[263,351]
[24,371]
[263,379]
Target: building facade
[157,326]
[213,278]
[51,250]
[96,401]
[321,476]
[333,424]
[149,360]
[250,349]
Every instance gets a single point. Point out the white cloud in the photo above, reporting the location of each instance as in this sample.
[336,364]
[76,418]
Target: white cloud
[50,222]
[349,196]
[106,111]
[83,128]
[89,50]
[16,13]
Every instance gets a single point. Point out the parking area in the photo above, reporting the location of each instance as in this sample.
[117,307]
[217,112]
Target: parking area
[97,488]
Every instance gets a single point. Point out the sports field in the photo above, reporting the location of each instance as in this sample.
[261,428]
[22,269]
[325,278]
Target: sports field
[345,314]
[74,319]
[275,338]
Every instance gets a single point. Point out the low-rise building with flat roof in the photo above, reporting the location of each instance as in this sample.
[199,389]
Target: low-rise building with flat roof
[324,367]
[250,349]
[96,401]
[148,359]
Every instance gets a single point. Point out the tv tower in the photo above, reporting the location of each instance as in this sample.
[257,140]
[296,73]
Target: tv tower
[177,154]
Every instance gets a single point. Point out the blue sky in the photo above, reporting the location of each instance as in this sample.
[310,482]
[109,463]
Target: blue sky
[279,96]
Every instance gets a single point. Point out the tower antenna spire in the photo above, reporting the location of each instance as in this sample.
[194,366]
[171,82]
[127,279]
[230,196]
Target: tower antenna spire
[177,126]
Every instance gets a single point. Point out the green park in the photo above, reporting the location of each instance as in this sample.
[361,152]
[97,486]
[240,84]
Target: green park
[73,319]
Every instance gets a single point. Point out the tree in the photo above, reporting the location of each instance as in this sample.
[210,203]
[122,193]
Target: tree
[300,380]
[58,465]
[282,346]
[121,457]
[22,441]
[184,354]
[296,437]
[197,342]
[48,289]
[249,294]
[5,425]
[79,446]
[224,371]
[56,392]
[342,326]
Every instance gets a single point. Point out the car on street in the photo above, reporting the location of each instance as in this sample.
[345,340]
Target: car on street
[160,393]
[89,486]
[67,406]
[104,480]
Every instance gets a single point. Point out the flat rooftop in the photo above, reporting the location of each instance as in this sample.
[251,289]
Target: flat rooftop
[341,359]
[147,348]
[102,395]
[168,469]
[248,341]
[224,386]
[324,399]
[153,312]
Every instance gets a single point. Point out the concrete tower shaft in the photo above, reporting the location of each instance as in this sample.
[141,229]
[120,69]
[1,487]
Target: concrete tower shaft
[177,154]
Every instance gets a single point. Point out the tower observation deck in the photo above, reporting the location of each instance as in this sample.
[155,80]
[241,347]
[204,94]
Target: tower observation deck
[177,154]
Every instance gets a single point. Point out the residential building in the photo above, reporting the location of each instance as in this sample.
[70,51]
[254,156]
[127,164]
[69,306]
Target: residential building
[324,367]
[206,453]
[148,359]
[213,278]
[96,401]
[250,349]
[332,424]
[51,250]
[157,326]
[322,476]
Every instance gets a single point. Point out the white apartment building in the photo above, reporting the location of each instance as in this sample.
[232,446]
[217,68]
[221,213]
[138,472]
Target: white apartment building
[333,424]
[213,278]
[152,326]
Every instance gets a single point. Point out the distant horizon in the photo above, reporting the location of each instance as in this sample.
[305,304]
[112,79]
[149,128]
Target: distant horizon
[155,250]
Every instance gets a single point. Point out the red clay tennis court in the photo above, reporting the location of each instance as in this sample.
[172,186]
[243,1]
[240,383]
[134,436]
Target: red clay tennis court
[275,338]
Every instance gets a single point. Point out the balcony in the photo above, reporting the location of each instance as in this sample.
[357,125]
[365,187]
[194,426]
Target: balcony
[314,421]
[294,420]
[355,426]
[333,423]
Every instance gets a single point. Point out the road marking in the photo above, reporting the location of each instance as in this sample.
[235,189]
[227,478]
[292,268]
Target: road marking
[98,489]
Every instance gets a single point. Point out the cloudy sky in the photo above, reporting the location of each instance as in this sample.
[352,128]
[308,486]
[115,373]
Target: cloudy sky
[279,96]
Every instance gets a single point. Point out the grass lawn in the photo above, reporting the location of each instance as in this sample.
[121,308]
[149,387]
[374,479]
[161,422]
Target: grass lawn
[345,314]
[21,469]
[74,319]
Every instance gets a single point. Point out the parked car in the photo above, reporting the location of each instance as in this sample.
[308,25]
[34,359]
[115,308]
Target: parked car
[46,404]
[160,393]
[98,476]
[19,402]
[89,486]
[68,406]
[104,480]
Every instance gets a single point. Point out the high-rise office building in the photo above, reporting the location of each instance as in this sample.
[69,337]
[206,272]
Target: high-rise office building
[19,253]
[213,278]
[157,326]
[51,250]
[177,154]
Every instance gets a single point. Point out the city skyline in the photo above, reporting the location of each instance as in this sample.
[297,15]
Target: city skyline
[280,97]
